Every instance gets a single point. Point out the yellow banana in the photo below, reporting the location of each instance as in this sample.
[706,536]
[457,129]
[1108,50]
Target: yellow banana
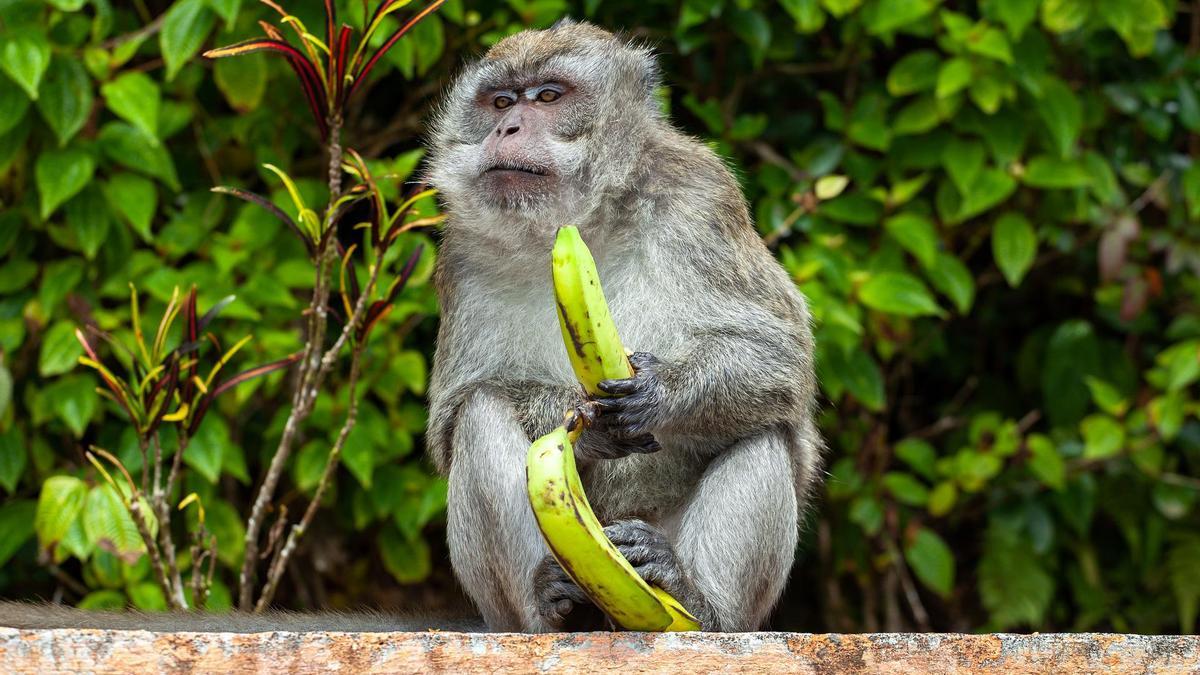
[566,520]
[588,331]
[577,540]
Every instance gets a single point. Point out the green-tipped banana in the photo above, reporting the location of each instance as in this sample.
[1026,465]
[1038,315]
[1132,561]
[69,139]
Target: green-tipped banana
[577,540]
[587,327]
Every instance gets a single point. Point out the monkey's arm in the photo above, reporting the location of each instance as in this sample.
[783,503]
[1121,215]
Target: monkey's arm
[539,408]
[733,382]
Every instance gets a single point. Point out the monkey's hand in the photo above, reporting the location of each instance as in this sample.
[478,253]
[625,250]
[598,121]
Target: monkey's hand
[654,558]
[602,442]
[555,593]
[633,409]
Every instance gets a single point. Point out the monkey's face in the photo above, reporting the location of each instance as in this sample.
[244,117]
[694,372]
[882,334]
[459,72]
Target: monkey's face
[527,158]
[540,130]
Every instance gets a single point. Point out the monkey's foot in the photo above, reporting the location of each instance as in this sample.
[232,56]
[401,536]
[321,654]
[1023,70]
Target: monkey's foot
[555,593]
[653,557]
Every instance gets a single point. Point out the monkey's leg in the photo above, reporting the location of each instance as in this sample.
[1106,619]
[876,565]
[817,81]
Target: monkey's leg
[736,538]
[494,541]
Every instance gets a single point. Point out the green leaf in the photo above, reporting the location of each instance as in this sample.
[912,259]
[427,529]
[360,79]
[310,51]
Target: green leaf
[1046,463]
[148,596]
[1014,246]
[898,293]
[1182,562]
[1190,182]
[1013,584]
[931,561]
[1107,397]
[60,175]
[229,528]
[916,234]
[74,400]
[916,71]
[905,488]
[204,453]
[135,199]
[918,117]
[25,57]
[135,98]
[1062,114]
[184,29]
[6,388]
[963,159]
[942,499]
[889,15]
[108,525]
[992,43]
[853,208]
[991,187]
[952,278]
[807,14]
[16,527]
[132,148]
[1016,15]
[88,218]
[60,350]
[59,505]
[13,104]
[866,512]
[919,455]
[1060,16]
[12,458]
[954,76]
[1103,436]
[1136,21]
[863,379]
[407,560]
[243,80]
[228,11]
[358,454]
[840,8]
[1072,354]
[102,600]
[66,98]
[1051,173]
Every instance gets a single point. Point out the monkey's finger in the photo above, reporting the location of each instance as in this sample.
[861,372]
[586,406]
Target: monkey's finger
[641,360]
[618,387]
[643,445]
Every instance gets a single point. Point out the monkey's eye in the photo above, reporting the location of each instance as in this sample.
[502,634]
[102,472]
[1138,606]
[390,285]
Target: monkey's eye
[503,101]
[548,95]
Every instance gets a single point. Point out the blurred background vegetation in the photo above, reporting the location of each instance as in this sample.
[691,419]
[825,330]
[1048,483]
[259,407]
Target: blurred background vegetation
[993,206]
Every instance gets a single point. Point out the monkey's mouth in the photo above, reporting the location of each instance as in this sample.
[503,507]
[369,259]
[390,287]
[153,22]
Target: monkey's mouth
[514,167]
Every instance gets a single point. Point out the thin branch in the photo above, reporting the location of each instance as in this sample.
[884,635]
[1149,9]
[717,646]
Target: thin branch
[141,33]
[285,553]
[307,384]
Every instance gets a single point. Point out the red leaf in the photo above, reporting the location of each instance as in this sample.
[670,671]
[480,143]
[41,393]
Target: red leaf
[202,406]
[402,280]
[330,22]
[361,75]
[340,55]
[310,81]
[272,209]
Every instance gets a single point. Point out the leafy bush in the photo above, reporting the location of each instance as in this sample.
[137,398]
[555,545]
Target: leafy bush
[991,205]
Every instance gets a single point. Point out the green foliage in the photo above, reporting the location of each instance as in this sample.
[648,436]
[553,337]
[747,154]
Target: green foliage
[992,208]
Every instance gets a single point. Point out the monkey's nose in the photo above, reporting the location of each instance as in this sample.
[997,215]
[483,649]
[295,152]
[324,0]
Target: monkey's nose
[508,130]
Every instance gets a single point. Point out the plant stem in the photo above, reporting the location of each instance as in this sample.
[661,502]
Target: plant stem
[308,381]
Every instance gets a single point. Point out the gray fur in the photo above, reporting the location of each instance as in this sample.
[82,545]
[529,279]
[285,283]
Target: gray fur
[28,615]
[726,384]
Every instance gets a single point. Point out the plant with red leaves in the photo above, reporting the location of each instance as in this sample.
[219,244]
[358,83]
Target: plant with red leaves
[329,82]
[167,386]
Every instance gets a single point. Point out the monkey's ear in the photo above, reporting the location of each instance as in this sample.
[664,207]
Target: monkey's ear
[563,23]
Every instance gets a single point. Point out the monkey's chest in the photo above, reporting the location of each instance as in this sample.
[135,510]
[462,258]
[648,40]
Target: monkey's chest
[653,487]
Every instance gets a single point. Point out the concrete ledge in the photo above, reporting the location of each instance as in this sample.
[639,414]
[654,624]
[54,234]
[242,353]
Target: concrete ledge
[49,651]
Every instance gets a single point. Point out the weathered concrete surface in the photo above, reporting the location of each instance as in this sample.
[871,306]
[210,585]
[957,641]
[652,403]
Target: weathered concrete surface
[53,651]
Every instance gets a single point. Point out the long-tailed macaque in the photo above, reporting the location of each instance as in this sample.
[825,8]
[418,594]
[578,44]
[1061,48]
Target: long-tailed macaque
[704,463]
